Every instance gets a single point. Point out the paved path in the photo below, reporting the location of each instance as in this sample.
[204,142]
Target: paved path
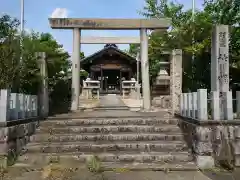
[136,175]
[111,100]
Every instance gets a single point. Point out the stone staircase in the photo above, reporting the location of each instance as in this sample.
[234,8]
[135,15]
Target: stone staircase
[134,143]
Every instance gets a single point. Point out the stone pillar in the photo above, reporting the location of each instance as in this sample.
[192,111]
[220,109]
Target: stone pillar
[228,105]
[4,105]
[194,105]
[181,105]
[220,59]
[189,105]
[202,104]
[215,102]
[14,111]
[145,69]
[176,78]
[21,98]
[75,69]
[238,103]
[43,92]
[185,107]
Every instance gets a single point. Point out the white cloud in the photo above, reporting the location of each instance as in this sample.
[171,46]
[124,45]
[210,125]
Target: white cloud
[60,13]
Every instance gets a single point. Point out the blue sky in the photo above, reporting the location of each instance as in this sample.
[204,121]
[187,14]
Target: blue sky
[37,13]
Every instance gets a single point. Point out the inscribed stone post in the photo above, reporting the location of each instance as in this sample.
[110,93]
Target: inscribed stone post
[220,65]
[43,92]
[176,78]
[220,59]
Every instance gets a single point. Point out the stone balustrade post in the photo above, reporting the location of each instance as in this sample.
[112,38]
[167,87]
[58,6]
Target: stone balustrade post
[238,103]
[26,105]
[22,113]
[31,105]
[4,105]
[14,108]
[202,104]
[185,104]
[194,105]
[35,111]
[189,105]
[181,105]
[228,105]
[215,105]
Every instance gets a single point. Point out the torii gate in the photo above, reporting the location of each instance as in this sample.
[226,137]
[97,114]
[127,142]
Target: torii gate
[78,24]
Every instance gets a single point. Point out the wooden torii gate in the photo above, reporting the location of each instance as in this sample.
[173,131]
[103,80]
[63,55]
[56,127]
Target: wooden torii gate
[78,24]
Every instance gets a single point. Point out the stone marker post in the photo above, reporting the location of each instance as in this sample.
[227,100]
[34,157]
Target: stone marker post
[220,59]
[43,92]
[220,69]
[176,79]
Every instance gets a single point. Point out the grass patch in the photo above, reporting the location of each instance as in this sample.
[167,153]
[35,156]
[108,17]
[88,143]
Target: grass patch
[94,164]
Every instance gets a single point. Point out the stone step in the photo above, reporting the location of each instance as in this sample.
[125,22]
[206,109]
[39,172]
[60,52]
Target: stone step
[117,167]
[107,108]
[135,166]
[146,146]
[109,129]
[143,157]
[106,121]
[106,137]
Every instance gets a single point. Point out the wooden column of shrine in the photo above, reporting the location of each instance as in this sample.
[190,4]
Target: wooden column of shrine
[101,78]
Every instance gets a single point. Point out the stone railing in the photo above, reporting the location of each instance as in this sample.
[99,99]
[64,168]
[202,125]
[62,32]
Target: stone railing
[18,121]
[88,87]
[210,129]
[132,88]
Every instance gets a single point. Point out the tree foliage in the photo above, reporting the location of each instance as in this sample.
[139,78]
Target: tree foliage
[180,36]
[19,66]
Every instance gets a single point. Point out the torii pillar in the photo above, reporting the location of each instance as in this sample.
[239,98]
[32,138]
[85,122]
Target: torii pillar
[145,69]
[76,69]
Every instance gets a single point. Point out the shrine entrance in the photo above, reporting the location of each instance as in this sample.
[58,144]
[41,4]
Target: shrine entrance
[111,82]
[78,24]
[110,66]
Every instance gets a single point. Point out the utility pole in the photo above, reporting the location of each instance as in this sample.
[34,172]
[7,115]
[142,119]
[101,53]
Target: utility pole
[21,28]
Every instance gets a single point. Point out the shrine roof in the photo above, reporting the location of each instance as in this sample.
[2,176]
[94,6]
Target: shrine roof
[107,50]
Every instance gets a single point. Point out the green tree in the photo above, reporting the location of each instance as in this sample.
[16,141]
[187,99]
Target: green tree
[196,73]
[9,51]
